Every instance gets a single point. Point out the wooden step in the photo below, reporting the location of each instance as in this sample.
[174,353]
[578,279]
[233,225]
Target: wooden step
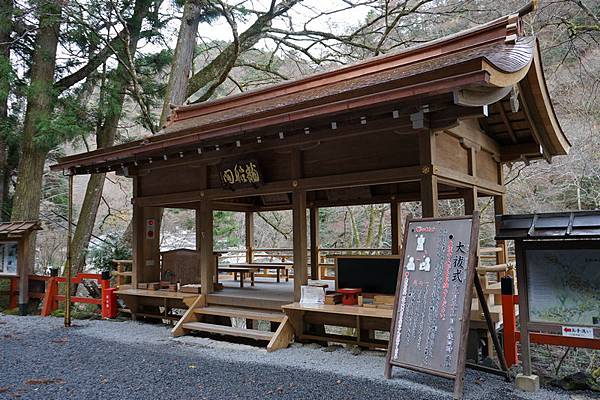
[246,313]
[490,250]
[228,330]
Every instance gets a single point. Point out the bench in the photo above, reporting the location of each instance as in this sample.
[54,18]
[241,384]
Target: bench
[364,320]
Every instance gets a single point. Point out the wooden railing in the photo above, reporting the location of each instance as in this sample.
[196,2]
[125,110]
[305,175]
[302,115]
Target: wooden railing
[123,273]
[326,265]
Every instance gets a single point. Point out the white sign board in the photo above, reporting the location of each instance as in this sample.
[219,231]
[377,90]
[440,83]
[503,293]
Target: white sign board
[8,258]
[578,332]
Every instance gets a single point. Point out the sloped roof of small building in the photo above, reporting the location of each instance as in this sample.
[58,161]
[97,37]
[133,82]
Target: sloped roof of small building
[18,229]
[493,65]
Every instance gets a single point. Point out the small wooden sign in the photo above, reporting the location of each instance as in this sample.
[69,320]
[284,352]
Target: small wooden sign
[433,297]
[240,174]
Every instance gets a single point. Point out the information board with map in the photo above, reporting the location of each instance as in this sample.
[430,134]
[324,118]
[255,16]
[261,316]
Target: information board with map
[563,285]
[433,296]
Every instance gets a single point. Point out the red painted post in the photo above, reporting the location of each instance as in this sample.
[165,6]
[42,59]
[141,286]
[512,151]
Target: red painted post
[49,303]
[509,319]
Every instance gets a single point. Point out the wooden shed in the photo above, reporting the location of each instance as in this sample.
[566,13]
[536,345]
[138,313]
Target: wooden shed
[431,122]
[15,256]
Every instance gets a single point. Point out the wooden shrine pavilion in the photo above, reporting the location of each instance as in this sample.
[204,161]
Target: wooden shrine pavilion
[431,122]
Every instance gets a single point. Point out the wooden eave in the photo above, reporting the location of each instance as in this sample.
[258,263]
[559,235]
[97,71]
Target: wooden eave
[16,230]
[489,58]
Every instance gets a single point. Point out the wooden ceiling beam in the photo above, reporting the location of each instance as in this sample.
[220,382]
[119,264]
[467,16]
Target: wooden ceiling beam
[504,117]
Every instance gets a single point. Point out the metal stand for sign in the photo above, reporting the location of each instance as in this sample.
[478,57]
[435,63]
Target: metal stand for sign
[472,280]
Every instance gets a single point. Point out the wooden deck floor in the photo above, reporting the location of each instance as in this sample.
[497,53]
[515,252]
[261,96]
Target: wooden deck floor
[266,294]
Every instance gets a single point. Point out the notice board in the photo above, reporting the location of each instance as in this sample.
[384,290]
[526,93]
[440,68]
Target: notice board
[562,281]
[433,297]
[8,258]
[373,274]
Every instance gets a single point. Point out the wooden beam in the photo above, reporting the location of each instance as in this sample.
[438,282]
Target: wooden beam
[314,243]
[517,151]
[300,241]
[533,122]
[469,129]
[391,175]
[204,231]
[249,225]
[509,129]
[459,179]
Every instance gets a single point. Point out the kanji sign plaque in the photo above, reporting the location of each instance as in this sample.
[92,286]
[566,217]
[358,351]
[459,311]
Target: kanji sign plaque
[240,174]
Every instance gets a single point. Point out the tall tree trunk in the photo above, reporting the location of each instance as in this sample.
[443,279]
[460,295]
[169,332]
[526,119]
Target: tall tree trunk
[39,107]
[179,76]
[176,91]
[6,10]
[105,137]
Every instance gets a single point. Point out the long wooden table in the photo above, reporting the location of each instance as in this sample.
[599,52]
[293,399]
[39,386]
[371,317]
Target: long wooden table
[365,320]
[236,269]
[278,266]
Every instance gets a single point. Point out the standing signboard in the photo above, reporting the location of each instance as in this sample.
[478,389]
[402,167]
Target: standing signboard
[558,275]
[433,297]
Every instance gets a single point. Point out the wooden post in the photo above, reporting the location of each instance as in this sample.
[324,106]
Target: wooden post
[314,243]
[23,270]
[523,308]
[429,196]
[470,198]
[205,233]
[300,241]
[429,185]
[137,227]
[69,255]
[499,209]
[396,223]
[249,236]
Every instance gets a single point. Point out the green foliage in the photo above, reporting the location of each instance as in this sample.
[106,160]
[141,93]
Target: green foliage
[226,229]
[69,120]
[111,249]
[11,311]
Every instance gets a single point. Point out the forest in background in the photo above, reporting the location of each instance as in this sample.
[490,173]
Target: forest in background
[79,75]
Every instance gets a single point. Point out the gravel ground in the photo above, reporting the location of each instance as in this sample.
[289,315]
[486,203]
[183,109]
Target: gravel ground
[41,359]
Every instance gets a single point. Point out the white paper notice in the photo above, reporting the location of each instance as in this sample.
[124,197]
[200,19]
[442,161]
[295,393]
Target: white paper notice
[578,331]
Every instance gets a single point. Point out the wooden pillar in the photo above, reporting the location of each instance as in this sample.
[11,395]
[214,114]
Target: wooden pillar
[204,223]
[300,241]
[396,224]
[69,266]
[499,209]
[315,243]
[470,198]
[429,185]
[146,244]
[429,196]
[23,270]
[249,236]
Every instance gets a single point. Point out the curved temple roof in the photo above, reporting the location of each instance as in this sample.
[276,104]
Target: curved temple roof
[491,65]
